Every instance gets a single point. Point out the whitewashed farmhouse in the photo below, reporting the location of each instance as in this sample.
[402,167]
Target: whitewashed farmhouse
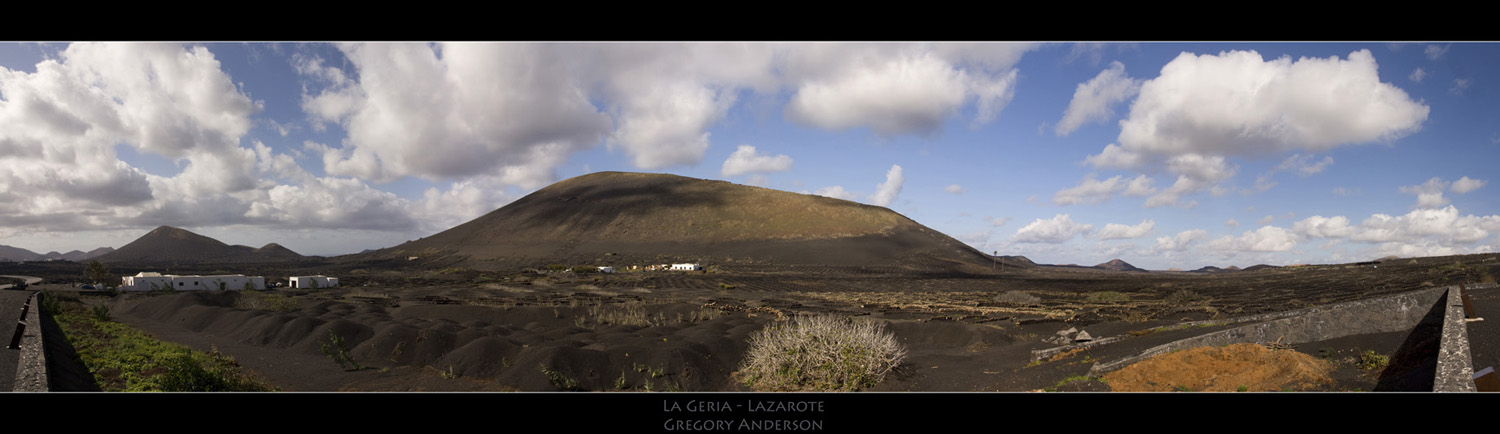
[148,281]
[686,267]
[308,282]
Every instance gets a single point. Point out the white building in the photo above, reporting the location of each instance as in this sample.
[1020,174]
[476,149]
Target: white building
[148,281]
[686,267]
[307,282]
[606,269]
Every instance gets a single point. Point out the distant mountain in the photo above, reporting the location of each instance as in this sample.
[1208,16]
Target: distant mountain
[1118,265]
[17,254]
[1213,269]
[168,244]
[1259,267]
[647,216]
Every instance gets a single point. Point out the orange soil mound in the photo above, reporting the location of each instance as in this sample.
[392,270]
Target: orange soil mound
[1223,369]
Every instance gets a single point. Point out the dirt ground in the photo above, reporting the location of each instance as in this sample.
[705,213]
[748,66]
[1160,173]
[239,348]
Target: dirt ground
[472,330]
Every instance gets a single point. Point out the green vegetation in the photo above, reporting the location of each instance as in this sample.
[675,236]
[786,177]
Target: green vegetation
[125,359]
[337,350]
[101,312]
[1070,380]
[562,381]
[725,286]
[1368,360]
[1242,388]
[97,272]
[1182,297]
[820,353]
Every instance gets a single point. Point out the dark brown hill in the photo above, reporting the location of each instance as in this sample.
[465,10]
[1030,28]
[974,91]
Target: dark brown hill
[645,218]
[168,244]
[1118,265]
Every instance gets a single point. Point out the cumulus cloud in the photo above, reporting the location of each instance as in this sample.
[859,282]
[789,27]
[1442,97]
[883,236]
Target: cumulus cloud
[1265,239]
[836,192]
[1443,226]
[60,126]
[1114,231]
[746,160]
[1323,227]
[886,192]
[1465,185]
[1058,229]
[1202,109]
[1429,194]
[1094,100]
[473,107]
[1417,75]
[1178,242]
[898,88]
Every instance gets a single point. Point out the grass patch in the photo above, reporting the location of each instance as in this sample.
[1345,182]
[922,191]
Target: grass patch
[1018,298]
[820,353]
[122,358]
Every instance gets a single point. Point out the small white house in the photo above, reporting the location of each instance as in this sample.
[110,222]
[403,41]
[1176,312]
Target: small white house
[306,282]
[686,267]
[606,269]
[147,281]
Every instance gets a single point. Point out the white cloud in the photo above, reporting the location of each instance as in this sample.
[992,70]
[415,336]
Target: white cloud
[1460,85]
[746,160]
[1232,223]
[1093,100]
[1435,52]
[954,189]
[1179,242]
[1237,103]
[1115,231]
[1265,239]
[1417,75]
[1465,185]
[1139,186]
[1303,165]
[1442,226]
[474,108]
[836,192]
[1089,190]
[898,88]
[1324,227]
[1265,220]
[1429,194]
[60,126]
[1195,173]
[886,192]
[1058,229]
[998,221]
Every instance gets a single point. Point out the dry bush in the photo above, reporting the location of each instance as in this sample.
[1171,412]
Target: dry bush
[1181,297]
[820,353]
[1019,298]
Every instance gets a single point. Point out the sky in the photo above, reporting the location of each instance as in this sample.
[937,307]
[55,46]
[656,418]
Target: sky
[1165,155]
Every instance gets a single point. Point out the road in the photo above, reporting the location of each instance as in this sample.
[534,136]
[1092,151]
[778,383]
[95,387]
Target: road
[10,314]
[30,280]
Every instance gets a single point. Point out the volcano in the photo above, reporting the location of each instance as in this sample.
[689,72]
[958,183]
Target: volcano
[169,244]
[658,217]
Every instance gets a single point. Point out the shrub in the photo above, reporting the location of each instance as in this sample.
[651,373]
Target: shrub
[50,303]
[337,350]
[1108,297]
[822,353]
[1181,297]
[1020,298]
[101,312]
[1368,360]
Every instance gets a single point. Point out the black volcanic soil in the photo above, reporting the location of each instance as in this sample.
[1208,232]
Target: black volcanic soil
[466,330]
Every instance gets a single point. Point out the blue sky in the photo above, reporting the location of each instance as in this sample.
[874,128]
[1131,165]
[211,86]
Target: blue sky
[1166,155]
